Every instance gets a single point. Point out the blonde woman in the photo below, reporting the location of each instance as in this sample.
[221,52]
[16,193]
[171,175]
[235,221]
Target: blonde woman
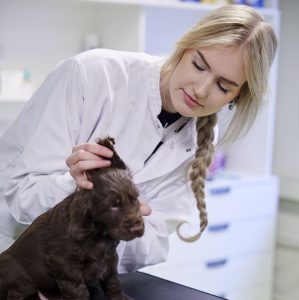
[162,114]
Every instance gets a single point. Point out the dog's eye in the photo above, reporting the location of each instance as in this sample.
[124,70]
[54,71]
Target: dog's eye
[114,208]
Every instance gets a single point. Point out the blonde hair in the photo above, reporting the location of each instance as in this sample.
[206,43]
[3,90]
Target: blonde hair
[227,26]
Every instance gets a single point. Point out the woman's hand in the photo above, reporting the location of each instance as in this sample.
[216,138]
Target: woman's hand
[86,157]
[145,209]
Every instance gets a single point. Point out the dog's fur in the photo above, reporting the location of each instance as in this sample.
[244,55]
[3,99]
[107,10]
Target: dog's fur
[75,242]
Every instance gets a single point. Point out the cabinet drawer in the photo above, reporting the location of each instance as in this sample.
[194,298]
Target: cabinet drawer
[226,239]
[239,199]
[219,275]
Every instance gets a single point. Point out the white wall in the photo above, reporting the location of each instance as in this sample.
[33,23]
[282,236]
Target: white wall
[286,154]
[23,24]
[286,148]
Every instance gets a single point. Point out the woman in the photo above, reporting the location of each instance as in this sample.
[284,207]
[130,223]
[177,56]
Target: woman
[162,114]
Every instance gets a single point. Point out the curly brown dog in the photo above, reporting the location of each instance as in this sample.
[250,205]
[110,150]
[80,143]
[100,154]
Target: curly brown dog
[75,242]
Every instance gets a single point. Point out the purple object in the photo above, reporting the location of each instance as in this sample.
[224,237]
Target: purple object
[218,164]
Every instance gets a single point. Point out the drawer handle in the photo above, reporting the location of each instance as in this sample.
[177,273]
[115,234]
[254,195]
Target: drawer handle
[218,227]
[216,263]
[220,191]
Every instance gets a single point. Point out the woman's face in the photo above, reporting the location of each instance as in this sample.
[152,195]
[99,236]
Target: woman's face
[204,81]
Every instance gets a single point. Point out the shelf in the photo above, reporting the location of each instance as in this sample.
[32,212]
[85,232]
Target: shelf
[158,3]
[177,4]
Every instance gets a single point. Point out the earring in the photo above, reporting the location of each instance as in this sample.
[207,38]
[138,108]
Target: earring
[232,104]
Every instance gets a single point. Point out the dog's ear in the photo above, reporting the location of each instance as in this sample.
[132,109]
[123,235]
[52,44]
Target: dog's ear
[116,161]
[80,224]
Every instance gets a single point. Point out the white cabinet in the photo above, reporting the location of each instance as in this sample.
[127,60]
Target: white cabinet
[235,255]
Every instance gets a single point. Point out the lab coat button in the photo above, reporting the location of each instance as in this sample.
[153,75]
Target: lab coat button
[188,150]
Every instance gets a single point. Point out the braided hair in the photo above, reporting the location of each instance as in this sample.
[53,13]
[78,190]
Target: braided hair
[198,171]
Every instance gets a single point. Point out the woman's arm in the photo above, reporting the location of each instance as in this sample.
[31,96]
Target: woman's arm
[37,177]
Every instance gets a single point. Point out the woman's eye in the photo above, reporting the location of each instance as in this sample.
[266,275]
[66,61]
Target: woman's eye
[224,90]
[197,66]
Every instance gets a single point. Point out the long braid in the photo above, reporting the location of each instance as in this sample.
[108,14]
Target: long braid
[199,165]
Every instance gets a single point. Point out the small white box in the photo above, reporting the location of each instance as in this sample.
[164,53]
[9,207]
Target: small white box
[15,83]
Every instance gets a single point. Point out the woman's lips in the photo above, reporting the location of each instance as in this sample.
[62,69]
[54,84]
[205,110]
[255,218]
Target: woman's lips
[190,101]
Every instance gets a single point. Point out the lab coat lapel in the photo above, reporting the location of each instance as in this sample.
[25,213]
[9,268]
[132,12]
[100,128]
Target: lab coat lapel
[170,155]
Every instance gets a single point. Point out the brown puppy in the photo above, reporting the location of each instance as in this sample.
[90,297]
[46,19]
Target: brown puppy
[75,242]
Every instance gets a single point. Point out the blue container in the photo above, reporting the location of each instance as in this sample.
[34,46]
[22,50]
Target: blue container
[255,3]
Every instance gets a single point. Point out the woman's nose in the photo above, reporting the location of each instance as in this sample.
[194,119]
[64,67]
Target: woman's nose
[202,88]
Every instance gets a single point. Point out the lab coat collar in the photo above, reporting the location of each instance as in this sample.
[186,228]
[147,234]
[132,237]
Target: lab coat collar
[175,151]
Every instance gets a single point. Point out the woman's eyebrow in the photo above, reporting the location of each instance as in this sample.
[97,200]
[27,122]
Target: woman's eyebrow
[208,66]
[229,81]
[203,59]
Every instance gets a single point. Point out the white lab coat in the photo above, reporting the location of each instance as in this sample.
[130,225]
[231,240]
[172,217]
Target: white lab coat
[94,94]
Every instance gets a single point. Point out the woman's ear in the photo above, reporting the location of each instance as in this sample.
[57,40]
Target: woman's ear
[80,224]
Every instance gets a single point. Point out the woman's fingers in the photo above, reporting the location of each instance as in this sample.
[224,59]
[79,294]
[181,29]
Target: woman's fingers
[93,148]
[78,171]
[88,152]
[86,157]
[83,183]
[84,165]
